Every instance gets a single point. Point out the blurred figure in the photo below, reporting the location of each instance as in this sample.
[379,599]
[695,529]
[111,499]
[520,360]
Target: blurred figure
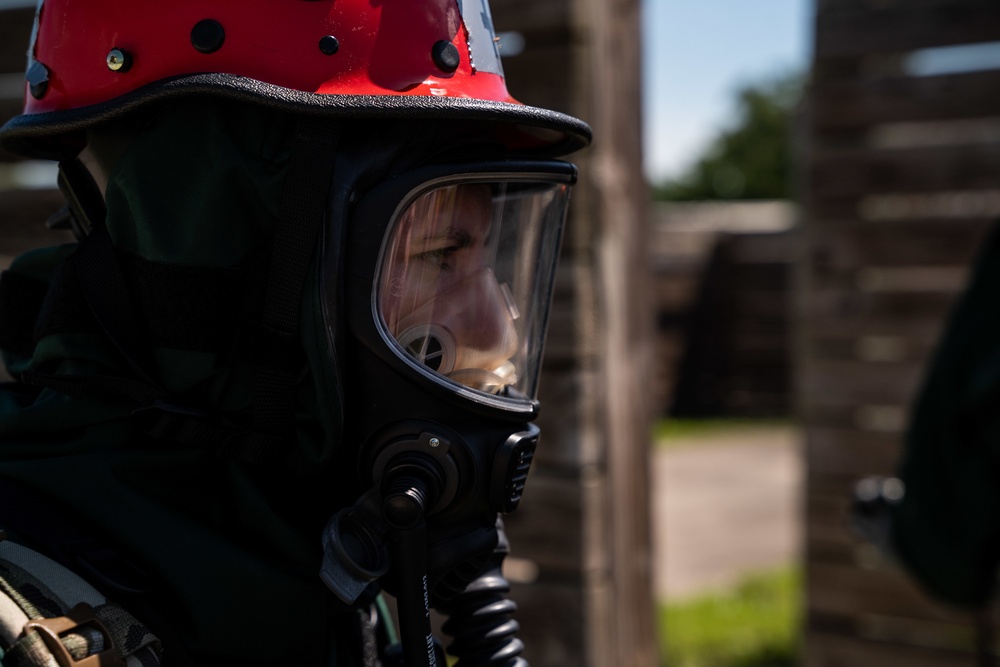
[941,516]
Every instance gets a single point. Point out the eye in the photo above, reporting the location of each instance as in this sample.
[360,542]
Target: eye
[440,257]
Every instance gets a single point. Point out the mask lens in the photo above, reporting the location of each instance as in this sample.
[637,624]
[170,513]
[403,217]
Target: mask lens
[466,277]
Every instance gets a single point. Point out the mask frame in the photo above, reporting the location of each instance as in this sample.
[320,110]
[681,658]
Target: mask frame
[370,227]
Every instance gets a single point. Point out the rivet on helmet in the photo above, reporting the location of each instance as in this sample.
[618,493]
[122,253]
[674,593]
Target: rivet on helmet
[208,35]
[119,60]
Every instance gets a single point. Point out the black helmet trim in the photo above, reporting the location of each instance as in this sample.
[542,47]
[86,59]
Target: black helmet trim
[548,133]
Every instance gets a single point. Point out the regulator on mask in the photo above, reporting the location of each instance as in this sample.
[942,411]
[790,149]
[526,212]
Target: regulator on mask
[447,274]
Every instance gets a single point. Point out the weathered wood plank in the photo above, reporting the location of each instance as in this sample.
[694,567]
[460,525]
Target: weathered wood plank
[861,172]
[875,340]
[883,591]
[954,207]
[823,6]
[537,76]
[11,103]
[9,107]
[614,224]
[835,303]
[599,427]
[859,103]
[530,15]
[15,30]
[548,522]
[889,417]
[905,27]
[826,649]
[562,449]
[874,346]
[918,243]
[850,451]
[860,382]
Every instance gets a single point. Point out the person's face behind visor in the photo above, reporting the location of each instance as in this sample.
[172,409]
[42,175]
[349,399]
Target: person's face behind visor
[460,280]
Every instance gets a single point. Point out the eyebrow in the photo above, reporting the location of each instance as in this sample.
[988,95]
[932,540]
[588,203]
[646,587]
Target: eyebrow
[460,237]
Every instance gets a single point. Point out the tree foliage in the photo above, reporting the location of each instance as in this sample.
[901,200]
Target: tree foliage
[752,158]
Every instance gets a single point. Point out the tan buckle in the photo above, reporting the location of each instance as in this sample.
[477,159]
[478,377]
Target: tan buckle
[82,615]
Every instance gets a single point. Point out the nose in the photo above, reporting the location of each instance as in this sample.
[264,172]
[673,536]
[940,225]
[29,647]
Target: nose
[480,316]
[466,332]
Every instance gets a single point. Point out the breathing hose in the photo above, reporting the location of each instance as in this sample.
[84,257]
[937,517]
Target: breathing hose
[409,552]
[479,619]
[404,508]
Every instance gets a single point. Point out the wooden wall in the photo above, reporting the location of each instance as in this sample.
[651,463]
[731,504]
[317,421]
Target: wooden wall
[585,521]
[23,212]
[15,28]
[901,182]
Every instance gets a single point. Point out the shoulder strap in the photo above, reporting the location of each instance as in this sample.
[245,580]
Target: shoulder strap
[50,617]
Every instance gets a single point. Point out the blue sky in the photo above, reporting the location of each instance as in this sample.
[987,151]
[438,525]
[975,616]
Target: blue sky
[696,54]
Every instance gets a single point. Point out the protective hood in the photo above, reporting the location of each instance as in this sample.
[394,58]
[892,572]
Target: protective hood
[192,208]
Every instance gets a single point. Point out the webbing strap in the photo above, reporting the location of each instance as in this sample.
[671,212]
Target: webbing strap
[50,616]
[303,208]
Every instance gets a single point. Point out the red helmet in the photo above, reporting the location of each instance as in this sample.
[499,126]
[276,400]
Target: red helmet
[92,61]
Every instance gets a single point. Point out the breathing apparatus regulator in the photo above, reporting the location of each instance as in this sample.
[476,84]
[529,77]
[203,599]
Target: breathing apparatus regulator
[433,204]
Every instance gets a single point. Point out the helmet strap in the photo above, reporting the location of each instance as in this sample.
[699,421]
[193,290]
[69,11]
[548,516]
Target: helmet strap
[84,199]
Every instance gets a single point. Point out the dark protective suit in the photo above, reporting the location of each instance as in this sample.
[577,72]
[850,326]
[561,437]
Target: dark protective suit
[219,557]
[947,528]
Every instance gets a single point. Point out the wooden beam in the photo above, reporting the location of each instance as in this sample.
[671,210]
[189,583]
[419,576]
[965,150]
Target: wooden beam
[15,31]
[915,170]
[904,27]
[860,103]
[617,334]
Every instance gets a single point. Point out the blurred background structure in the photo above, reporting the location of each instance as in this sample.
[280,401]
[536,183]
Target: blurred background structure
[900,183]
[24,207]
[814,299]
[587,532]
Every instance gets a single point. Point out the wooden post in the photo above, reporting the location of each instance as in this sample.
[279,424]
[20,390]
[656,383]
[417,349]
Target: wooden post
[585,521]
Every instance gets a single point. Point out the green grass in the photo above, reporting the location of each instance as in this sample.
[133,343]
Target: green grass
[754,625]
[668,432]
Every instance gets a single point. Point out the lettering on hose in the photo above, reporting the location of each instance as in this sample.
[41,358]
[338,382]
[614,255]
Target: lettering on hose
[427,598]
[431,654]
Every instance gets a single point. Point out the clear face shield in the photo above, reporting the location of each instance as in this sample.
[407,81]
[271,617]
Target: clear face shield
[446,274]
[465,277]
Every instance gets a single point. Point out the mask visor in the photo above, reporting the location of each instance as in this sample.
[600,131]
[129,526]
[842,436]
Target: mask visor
[465,278]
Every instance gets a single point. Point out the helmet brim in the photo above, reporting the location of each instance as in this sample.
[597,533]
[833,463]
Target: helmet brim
[528,130]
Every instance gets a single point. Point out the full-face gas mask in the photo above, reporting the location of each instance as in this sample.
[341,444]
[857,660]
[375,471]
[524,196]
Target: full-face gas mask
[447,274]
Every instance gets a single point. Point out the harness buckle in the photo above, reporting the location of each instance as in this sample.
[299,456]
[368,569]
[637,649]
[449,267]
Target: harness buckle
[80,617]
